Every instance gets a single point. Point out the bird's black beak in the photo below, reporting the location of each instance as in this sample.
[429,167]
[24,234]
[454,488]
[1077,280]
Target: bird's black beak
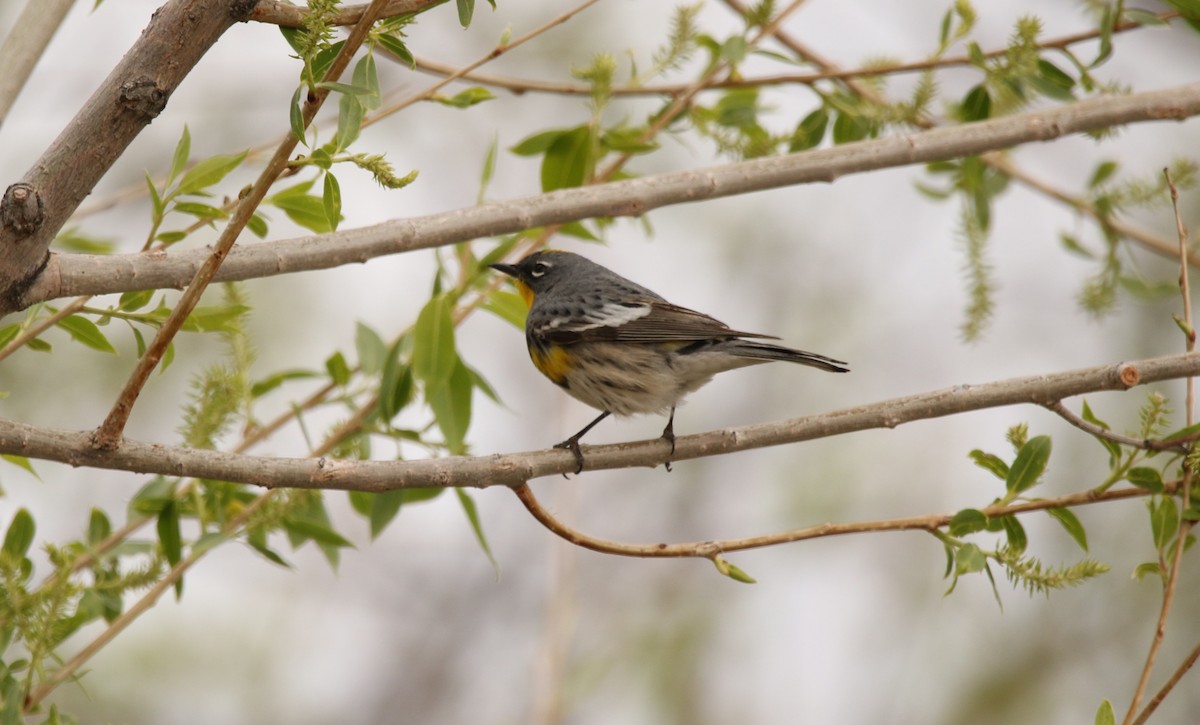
[509,269]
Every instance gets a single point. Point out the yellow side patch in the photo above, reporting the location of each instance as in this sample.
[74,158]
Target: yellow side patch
[554,363]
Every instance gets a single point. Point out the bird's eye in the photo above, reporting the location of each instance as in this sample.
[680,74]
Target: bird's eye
[538,269]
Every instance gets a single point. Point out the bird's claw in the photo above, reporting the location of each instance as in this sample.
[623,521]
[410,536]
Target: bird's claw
[572,445]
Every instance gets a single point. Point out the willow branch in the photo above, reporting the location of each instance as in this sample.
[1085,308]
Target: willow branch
[512,469]
[710,549]
[526,85]
[77,274]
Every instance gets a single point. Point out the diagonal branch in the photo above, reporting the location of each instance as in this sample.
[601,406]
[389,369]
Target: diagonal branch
[109,434]
[513,469]
[77,274]
[34,209]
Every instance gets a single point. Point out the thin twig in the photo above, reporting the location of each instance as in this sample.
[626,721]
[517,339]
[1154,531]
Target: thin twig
[1185,525]
[526,85]
[496,52]
[42,325]
[1172,681]
[709,549]
[1146,444]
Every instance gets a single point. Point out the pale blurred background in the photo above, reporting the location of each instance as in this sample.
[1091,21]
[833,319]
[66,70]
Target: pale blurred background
[416,627]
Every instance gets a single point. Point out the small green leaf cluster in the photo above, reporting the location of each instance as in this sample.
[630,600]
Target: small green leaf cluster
[1020,475]
[86,583]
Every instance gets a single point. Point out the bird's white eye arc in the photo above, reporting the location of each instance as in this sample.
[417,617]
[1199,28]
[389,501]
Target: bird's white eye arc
[538,269]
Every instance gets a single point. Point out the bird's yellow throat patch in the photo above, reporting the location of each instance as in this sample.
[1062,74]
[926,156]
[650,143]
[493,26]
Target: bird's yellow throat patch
[554,362]
[525,291]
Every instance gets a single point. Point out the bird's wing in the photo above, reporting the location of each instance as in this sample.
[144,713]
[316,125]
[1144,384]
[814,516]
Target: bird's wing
[642,320]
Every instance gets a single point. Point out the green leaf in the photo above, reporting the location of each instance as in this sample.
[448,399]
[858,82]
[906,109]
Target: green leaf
[99,528]
[1164,521]
[207,173]
[183,150]
[350,120]
[19,536]
[810,132]
[317,532]
[269,383]
[215,318]
[724,568]
[489,170]
[434,355]
[395,386]
[1029,465]
[384,508]
[372,352]
[538,143]
[296,115]
[301,207]
[152,497]
[848,128]
[1113,448]
[332,201]
[85,331]
[465,99]
[1146,478]
[468,506]
[451,405]
[366,75]
[170,539]
[1052,82]
[338,369]
[569,161]
[969,559]
[1105,714]
[257,225]
[204,212]
[466,8]
[1141,571]
[8,332]
[135,300]
[990,462]
[20,462]
[1071,523]
[968,521]
[325,58]
[396,47]
[508,306]
[976,106]
[1015,534]
[1104,171]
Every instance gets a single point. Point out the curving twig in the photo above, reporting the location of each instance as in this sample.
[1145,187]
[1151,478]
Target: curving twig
[711,549]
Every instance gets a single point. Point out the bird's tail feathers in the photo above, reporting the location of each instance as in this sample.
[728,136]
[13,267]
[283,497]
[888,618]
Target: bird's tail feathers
[765,351]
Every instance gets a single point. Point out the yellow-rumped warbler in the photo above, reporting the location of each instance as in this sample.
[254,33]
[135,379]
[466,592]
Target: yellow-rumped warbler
[623,349]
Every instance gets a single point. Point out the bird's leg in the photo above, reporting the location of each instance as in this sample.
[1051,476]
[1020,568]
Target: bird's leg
[668,435]
[572,443]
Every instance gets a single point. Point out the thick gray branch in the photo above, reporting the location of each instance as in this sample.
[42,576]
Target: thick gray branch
[34,209]
[76,274]
[75,448]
